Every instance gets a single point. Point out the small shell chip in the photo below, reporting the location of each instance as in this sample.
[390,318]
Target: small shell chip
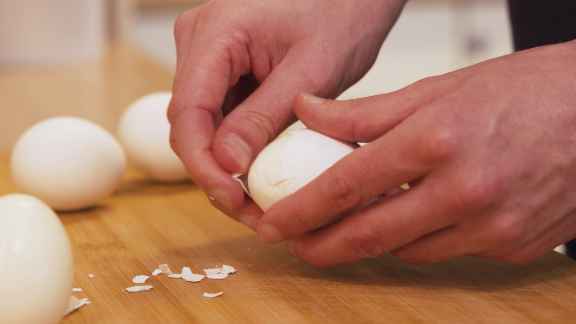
[213,295]
[76,289]
[165,269]
[193,277]
[186,271]
[218,275]
[175,275]
[228,269]
[138,288]
[75,303]
[91,275]
[156,272]
[140,279]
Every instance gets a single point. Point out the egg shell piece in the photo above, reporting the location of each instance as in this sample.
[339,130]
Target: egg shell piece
[135,289]
[67,162]
[36,265]
[212,295]
[144,131]
[290,162]
[140,279]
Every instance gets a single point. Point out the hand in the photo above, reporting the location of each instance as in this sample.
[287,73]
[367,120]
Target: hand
[489,151]
[240,63]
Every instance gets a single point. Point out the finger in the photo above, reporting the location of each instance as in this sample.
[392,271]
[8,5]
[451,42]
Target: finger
[264,114]
[205,76]
[183,31]
[440,246]
[399,157]
[375,229]
[365,119]
[248,214]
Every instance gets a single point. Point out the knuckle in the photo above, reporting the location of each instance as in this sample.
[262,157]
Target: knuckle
[474,191]
[174,109]
[261,121]
[364,242]
[503,232]
[311,257]
[343,192]
[441,142]
[174,144]
[183,23]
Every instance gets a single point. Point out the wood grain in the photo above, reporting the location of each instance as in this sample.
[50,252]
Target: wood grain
[145,224]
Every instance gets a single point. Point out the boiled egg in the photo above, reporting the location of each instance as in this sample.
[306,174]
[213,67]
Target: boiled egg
[290,162]
[144,132]
[67,162]
[36,266]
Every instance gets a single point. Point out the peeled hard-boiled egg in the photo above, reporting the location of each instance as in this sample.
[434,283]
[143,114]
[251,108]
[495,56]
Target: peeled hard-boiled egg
[144,132]
[36,266]
[67,162]
[290,162]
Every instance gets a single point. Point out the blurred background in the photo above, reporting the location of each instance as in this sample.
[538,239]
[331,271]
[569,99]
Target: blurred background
[91,58]
[432,37]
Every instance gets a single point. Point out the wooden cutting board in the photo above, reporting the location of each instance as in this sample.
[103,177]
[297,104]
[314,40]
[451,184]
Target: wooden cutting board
[145,224]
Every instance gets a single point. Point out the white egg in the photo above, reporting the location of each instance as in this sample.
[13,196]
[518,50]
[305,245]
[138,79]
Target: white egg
[290,162]
[36,266]
[144,132]
[67,162]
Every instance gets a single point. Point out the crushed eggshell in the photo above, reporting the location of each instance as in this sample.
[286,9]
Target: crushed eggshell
[189,276]
[75,303]
[193,277]
[76,289]
[138,288]
[218,275]
[140,279]
[175,275]
[156,272]
[243,180]
[186,271]
[213,295]
[228,269]
[91,275]
[165,269]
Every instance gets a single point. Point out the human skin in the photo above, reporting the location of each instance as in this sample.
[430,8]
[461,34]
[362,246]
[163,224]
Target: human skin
[239,65]
[489,151]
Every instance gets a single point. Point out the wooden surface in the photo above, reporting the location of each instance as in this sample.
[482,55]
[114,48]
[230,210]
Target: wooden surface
[99,91]
[146,224]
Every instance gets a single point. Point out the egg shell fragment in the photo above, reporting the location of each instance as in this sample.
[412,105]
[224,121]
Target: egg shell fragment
[290,162]
[144,131]
[67,162]
[36,265]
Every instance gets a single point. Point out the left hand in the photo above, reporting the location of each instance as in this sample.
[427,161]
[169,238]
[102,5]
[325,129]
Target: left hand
[489,151]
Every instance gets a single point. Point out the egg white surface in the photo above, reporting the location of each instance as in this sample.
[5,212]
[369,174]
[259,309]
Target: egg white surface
[290,162]
[36,265]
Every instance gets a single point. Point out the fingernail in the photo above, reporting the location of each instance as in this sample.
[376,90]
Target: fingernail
[311,98]
[222,197]
[290,248]
[239,150]
[270,234]
[249,221]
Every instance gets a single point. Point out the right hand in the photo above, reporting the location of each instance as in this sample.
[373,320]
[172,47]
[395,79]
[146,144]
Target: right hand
[241,62]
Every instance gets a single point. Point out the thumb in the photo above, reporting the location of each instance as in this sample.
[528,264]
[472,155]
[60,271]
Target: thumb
[247,129]
[365,119]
